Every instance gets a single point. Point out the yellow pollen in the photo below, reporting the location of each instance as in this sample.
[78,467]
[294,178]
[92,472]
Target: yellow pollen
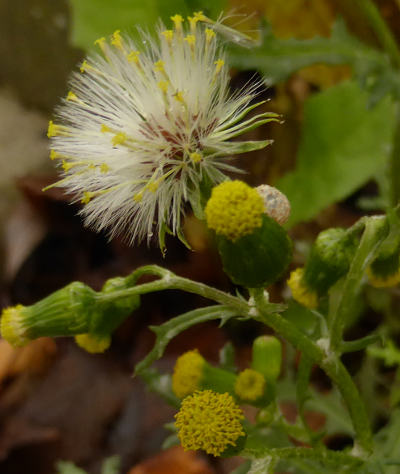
[133,57]
[119,139]
[54,155]
[159,66]
[53,129]
[104,168]
[84,66]
[200,16]
[191,40]
[138,197]
[67,166]
[163,86]
[303,295]
[87,197]
[168,35]
[72,96]
[93,343]
[193,21]
[196,157]
[209,421]
[101,42]
[209,34]
[250,385]
[152,186]
[116,40]
[178,96]
[104,128]
[188,372]
[178,20]
[219,63]
[234,210]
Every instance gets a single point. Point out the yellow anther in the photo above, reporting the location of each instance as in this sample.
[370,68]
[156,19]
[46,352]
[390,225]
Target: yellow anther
[178,20]
[133,57]
[196,157]
[152,186]
[116,40]
[105,129]
[191,40]
[101,43]
[219,63]
[67,166]
[72,96]
[193,21]
[138,197]
[159,66]
[119,138]
[209,34]
[163,85]
[178,96]
[87,196]
[104,168]
[168,35]
[84,66]
[92,343]
[53,129]
[200,16]
[54,155]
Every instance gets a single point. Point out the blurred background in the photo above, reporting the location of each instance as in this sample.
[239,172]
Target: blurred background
[318,60]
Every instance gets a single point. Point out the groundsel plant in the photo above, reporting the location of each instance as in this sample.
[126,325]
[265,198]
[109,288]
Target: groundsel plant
[146,123]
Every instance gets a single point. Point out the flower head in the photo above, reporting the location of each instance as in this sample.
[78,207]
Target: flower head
[306,296]
[235,209]
[188,372]
[209,421]
[145,122]
[250,385]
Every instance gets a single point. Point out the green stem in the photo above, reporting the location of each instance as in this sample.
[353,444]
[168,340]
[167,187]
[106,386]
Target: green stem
[330,363]
[381,29]
[341,308]
[393,172]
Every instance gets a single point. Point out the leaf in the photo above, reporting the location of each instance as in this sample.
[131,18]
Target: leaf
[92,19]
[111,465]
[343,145]
[65,467]
[277,59]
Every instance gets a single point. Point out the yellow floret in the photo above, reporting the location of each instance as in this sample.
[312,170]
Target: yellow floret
[209,421]
[250,385]
[234,210]
[93,343]
[12,327]
[305,296]
[383,281]
[188,372]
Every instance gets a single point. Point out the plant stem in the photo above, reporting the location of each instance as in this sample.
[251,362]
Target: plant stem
[381,29]
[393,172]
[341,308]
[330,363]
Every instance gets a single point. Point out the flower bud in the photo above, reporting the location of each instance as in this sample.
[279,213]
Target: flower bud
[255,250]
[65,312]
[267,356]
[192,372]
[329,260]
[250,385]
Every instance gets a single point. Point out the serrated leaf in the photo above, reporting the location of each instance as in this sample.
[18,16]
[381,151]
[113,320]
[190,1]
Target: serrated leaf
[277,59]
[343,145]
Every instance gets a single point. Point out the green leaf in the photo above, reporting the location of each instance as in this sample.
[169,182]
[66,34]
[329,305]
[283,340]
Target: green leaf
[92,19]
[66,467]
[343,145]
[277,59]
[111,465]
